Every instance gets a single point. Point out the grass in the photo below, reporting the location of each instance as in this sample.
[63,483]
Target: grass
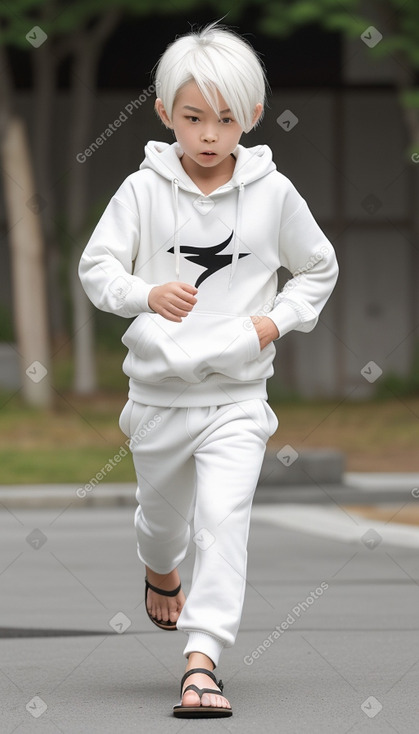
[66,466]
[377,435]
[73,441]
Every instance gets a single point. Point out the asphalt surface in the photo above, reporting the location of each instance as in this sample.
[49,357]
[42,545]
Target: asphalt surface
[328,639]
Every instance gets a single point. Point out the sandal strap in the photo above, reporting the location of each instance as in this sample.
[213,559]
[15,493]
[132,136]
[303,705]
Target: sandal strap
[201,670]
[161,591]
[199,691]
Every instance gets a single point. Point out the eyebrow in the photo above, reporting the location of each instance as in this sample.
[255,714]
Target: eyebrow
[195,109]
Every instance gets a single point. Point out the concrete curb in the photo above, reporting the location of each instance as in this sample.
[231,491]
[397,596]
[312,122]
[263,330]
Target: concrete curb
[286,468]
[359,489]
[309,477]
[37,496]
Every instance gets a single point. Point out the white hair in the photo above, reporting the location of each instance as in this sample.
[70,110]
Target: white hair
[217,59]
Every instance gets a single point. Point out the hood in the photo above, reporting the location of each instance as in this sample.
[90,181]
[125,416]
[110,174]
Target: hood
[251,165]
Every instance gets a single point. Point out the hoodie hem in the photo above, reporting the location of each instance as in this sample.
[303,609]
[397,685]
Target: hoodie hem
[176,393]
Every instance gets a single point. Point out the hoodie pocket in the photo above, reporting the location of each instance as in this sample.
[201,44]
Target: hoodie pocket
[201,345]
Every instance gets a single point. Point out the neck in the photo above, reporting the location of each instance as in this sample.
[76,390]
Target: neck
[209,179]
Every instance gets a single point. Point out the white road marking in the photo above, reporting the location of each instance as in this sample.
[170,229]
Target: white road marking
[335,523]
[377,481]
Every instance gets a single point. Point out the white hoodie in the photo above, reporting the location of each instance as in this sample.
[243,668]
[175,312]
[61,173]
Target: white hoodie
[159,227]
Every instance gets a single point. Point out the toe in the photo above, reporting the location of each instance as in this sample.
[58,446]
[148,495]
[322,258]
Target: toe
[210,699]
[190,698]
[174,615]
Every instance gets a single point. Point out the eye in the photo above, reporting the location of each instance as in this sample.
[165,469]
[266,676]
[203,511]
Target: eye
[226,120]
[192,118]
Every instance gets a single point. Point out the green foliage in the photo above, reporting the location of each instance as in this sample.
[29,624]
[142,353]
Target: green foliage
[396,385]
[398,19]
[280,395]
[6,324]
[275,17]
[110,354]
[61,18]
[409,98]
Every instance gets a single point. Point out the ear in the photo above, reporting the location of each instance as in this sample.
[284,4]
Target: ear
[158,106]
[257,113]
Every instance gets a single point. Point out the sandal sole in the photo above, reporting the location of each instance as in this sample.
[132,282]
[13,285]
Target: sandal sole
[198,712]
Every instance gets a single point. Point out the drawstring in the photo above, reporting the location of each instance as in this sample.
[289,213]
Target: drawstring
[236,242]
[176,246]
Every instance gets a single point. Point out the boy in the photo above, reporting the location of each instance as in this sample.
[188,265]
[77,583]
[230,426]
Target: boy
[190,246]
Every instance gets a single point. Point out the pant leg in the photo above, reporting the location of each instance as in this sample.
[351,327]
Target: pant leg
[166,477]
[228,456]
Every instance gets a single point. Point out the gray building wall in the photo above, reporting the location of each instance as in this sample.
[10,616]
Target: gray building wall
[347,157]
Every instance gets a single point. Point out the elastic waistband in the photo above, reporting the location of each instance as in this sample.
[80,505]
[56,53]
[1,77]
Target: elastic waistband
[177,393]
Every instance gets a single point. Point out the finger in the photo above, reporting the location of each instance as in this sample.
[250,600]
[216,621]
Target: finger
[169,316]
[188,287]
[177,306]
[179,302]
[175,301]
[177,310]
[186,297]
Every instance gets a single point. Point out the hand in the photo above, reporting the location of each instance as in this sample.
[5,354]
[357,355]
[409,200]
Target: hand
[173,300]
[266,330]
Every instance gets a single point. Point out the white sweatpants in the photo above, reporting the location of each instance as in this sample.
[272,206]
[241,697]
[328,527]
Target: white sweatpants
[199,465]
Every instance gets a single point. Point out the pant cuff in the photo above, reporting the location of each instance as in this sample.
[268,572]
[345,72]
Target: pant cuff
[202,642]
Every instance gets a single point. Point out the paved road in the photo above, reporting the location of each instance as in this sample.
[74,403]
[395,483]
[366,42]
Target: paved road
[328,641]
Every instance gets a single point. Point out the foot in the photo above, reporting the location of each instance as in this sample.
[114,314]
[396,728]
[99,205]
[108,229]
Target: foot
[191,698]
[164,608]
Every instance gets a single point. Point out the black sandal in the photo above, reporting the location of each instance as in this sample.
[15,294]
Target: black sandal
[158,622]
[196,712]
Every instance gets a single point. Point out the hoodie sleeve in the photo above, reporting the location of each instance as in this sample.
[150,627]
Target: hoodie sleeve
[105,268]
[309,256]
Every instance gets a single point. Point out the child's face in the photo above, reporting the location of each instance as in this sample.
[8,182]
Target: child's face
[206,139]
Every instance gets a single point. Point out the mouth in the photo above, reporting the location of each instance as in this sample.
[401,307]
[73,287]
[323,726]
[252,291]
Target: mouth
[208,152]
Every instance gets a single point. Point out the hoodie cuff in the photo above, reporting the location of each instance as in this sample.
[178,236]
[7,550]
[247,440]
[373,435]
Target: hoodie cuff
[136,299]
[285,318]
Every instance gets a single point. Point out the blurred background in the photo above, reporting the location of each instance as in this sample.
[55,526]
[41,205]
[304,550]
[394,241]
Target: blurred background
[76,110]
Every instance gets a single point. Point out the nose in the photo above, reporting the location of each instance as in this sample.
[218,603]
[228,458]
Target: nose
[209,135]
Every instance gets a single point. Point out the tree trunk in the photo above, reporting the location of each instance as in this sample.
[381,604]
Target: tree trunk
[412,122]
[406,86]
[44,66]
[85,380]
[87,49]
[25,234]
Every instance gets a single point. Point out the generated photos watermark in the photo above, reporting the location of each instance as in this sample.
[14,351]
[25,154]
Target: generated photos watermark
[291,618]
[135,439]
[123,116]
